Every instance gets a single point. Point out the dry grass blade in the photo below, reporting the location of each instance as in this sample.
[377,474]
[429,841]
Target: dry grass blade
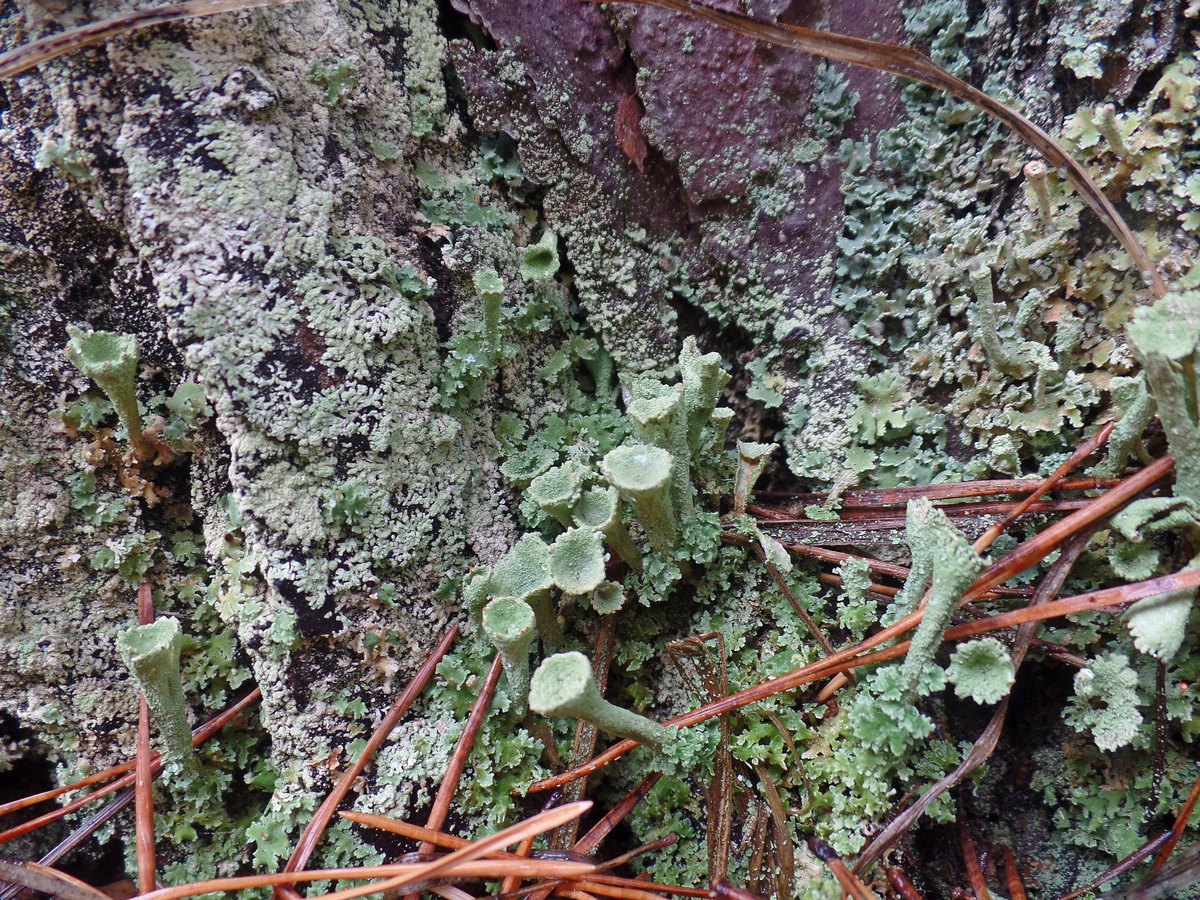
[320,820]
[1172,881]
[785,856]
[713,675]
[47,881]
[411,873]
[542,822]
[905,62]
[27,56]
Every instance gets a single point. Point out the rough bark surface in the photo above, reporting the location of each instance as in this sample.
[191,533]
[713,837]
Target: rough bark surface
[289,207]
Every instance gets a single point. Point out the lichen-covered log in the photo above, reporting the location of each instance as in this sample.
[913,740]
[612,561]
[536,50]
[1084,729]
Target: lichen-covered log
[390,261]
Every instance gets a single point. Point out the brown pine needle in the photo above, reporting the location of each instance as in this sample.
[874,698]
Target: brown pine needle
[320,820]
[1043,544]
[608,890]
[851,884]
[406,829]
[199,736]
[514,881]
[144,778]
[723,890]
[48,881]
[1125,865]
[986,743]
[542,822]
[409,872]
[883,568]
[462,751]
[27,56]
[971,861]
[598,832]
[34,799]
[892,517]
[618,861]
[144,803]
[800,611]
[1086,449]
[453,842]
[872,498]
[1012,875]
[450,892]
[905,62]
[599,882]
[903,887]
[883,590]
[1177,830]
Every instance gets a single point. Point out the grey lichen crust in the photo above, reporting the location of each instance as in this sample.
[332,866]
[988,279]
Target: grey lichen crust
[285,208]
[276,218]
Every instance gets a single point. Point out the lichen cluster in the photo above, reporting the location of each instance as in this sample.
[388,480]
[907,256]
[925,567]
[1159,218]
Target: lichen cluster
[410,332]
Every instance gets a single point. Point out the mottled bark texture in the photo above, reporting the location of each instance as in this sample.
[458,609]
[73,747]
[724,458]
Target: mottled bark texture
[288,206]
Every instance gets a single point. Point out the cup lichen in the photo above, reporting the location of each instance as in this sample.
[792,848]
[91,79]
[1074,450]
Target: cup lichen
[557,490]
[563,686]
[540,260]
[490,288]
[152,654]
[1166,340]
[599,508]
[642,476]
[703,379]
[752,460]
[661,421]
[510,625]
[111,361]
[524,573]
[577,561]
